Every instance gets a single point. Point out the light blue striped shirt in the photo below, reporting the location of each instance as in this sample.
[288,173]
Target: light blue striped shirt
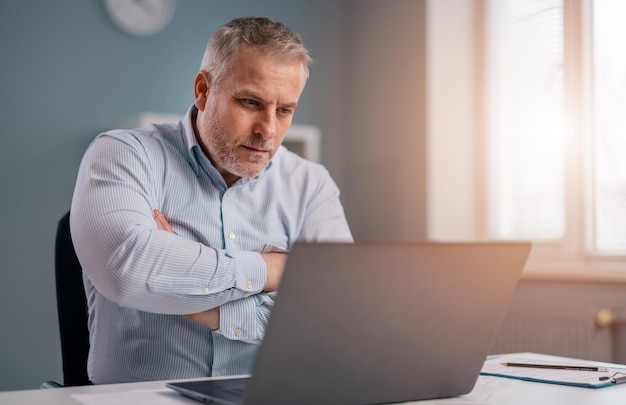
[140,281]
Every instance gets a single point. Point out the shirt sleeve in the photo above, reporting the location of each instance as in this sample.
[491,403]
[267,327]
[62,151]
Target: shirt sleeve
[324,219]
[129,260]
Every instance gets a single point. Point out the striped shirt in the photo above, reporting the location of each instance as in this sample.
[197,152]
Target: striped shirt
[141,281]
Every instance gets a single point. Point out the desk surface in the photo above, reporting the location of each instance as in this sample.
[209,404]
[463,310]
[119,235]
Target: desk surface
[488,390]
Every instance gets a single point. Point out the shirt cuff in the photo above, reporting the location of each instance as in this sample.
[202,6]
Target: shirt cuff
[238,320]
[250,273]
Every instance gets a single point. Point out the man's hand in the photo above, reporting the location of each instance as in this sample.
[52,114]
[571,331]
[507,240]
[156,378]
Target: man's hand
[210,317]
[161,221]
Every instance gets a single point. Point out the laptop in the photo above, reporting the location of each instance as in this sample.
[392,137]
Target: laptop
[377,322]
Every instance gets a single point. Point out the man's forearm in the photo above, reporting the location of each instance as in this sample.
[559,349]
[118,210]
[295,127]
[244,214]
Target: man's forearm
[146,269]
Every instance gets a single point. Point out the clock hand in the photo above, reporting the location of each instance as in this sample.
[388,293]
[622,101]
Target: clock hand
[147,7]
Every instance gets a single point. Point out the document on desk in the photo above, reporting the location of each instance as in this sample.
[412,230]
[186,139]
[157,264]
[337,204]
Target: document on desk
[162,396]
[564,372]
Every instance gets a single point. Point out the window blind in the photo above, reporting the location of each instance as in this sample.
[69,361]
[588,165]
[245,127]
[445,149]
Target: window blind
[525,113]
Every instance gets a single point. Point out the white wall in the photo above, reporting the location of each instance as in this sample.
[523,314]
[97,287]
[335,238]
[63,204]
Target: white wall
[452,159]
[411,159]
[385,152]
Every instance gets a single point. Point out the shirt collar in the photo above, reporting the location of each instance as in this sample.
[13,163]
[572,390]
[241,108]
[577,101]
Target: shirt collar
[187,123]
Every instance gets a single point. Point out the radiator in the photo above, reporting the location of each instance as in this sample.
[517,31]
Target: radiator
[561,331]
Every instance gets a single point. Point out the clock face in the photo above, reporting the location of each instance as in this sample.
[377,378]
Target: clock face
[140,17]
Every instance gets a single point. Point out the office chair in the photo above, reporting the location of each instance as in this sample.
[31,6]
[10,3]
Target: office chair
[71,308]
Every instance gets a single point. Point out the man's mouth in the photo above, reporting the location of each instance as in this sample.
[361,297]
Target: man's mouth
[255,149]
[252,149]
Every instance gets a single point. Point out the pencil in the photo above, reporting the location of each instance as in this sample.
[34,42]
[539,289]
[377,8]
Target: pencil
[556,366]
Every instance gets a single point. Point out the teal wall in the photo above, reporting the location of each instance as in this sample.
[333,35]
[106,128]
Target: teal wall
[69,73]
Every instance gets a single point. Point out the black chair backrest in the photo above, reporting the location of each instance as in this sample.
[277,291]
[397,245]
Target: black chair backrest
[71,307]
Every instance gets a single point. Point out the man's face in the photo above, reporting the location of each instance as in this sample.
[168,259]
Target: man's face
[242,121]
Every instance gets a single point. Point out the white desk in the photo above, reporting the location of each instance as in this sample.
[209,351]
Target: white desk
[488,390]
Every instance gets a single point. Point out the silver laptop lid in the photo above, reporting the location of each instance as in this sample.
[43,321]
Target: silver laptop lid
[381,322]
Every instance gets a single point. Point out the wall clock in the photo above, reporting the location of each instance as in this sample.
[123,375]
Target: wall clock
[140,17]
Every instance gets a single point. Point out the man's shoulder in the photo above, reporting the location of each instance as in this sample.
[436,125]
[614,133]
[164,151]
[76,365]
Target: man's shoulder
[154,137]
[148,133]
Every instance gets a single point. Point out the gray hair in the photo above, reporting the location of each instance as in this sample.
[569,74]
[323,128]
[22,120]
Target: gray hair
[257,33]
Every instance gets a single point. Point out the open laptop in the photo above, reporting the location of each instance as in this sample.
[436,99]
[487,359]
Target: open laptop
[377,322]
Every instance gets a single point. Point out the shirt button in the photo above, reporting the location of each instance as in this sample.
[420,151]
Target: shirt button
[249,284]
[205,290]
[218,374]
[246,295]
[238,332]
[231,235]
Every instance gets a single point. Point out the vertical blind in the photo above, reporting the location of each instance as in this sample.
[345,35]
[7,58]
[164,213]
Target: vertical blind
[526,137]
[530,133]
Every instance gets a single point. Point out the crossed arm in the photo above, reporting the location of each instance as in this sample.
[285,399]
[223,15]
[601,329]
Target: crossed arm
[275,263]
[147,267]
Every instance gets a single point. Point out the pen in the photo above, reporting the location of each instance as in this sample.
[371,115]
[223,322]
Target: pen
[617,380]
[556,366]
[618,377]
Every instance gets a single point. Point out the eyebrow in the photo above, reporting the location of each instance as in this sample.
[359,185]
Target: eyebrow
[254,96]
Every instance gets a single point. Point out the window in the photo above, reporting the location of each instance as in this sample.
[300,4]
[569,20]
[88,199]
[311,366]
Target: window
[556,126]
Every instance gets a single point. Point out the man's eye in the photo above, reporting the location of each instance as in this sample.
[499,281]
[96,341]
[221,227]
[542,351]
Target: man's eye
[285,111]
[250,102]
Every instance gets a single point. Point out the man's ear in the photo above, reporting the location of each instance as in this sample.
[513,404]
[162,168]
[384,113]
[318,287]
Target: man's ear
[201,88]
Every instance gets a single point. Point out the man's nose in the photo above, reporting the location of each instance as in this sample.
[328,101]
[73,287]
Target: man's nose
[265,125]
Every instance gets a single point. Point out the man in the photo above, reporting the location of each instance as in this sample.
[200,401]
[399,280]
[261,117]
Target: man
[182,230]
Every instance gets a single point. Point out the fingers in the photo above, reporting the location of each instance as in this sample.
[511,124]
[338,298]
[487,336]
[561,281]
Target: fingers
[161,222]
[210,318]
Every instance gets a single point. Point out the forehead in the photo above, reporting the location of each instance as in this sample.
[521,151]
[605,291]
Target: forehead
[265,74]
